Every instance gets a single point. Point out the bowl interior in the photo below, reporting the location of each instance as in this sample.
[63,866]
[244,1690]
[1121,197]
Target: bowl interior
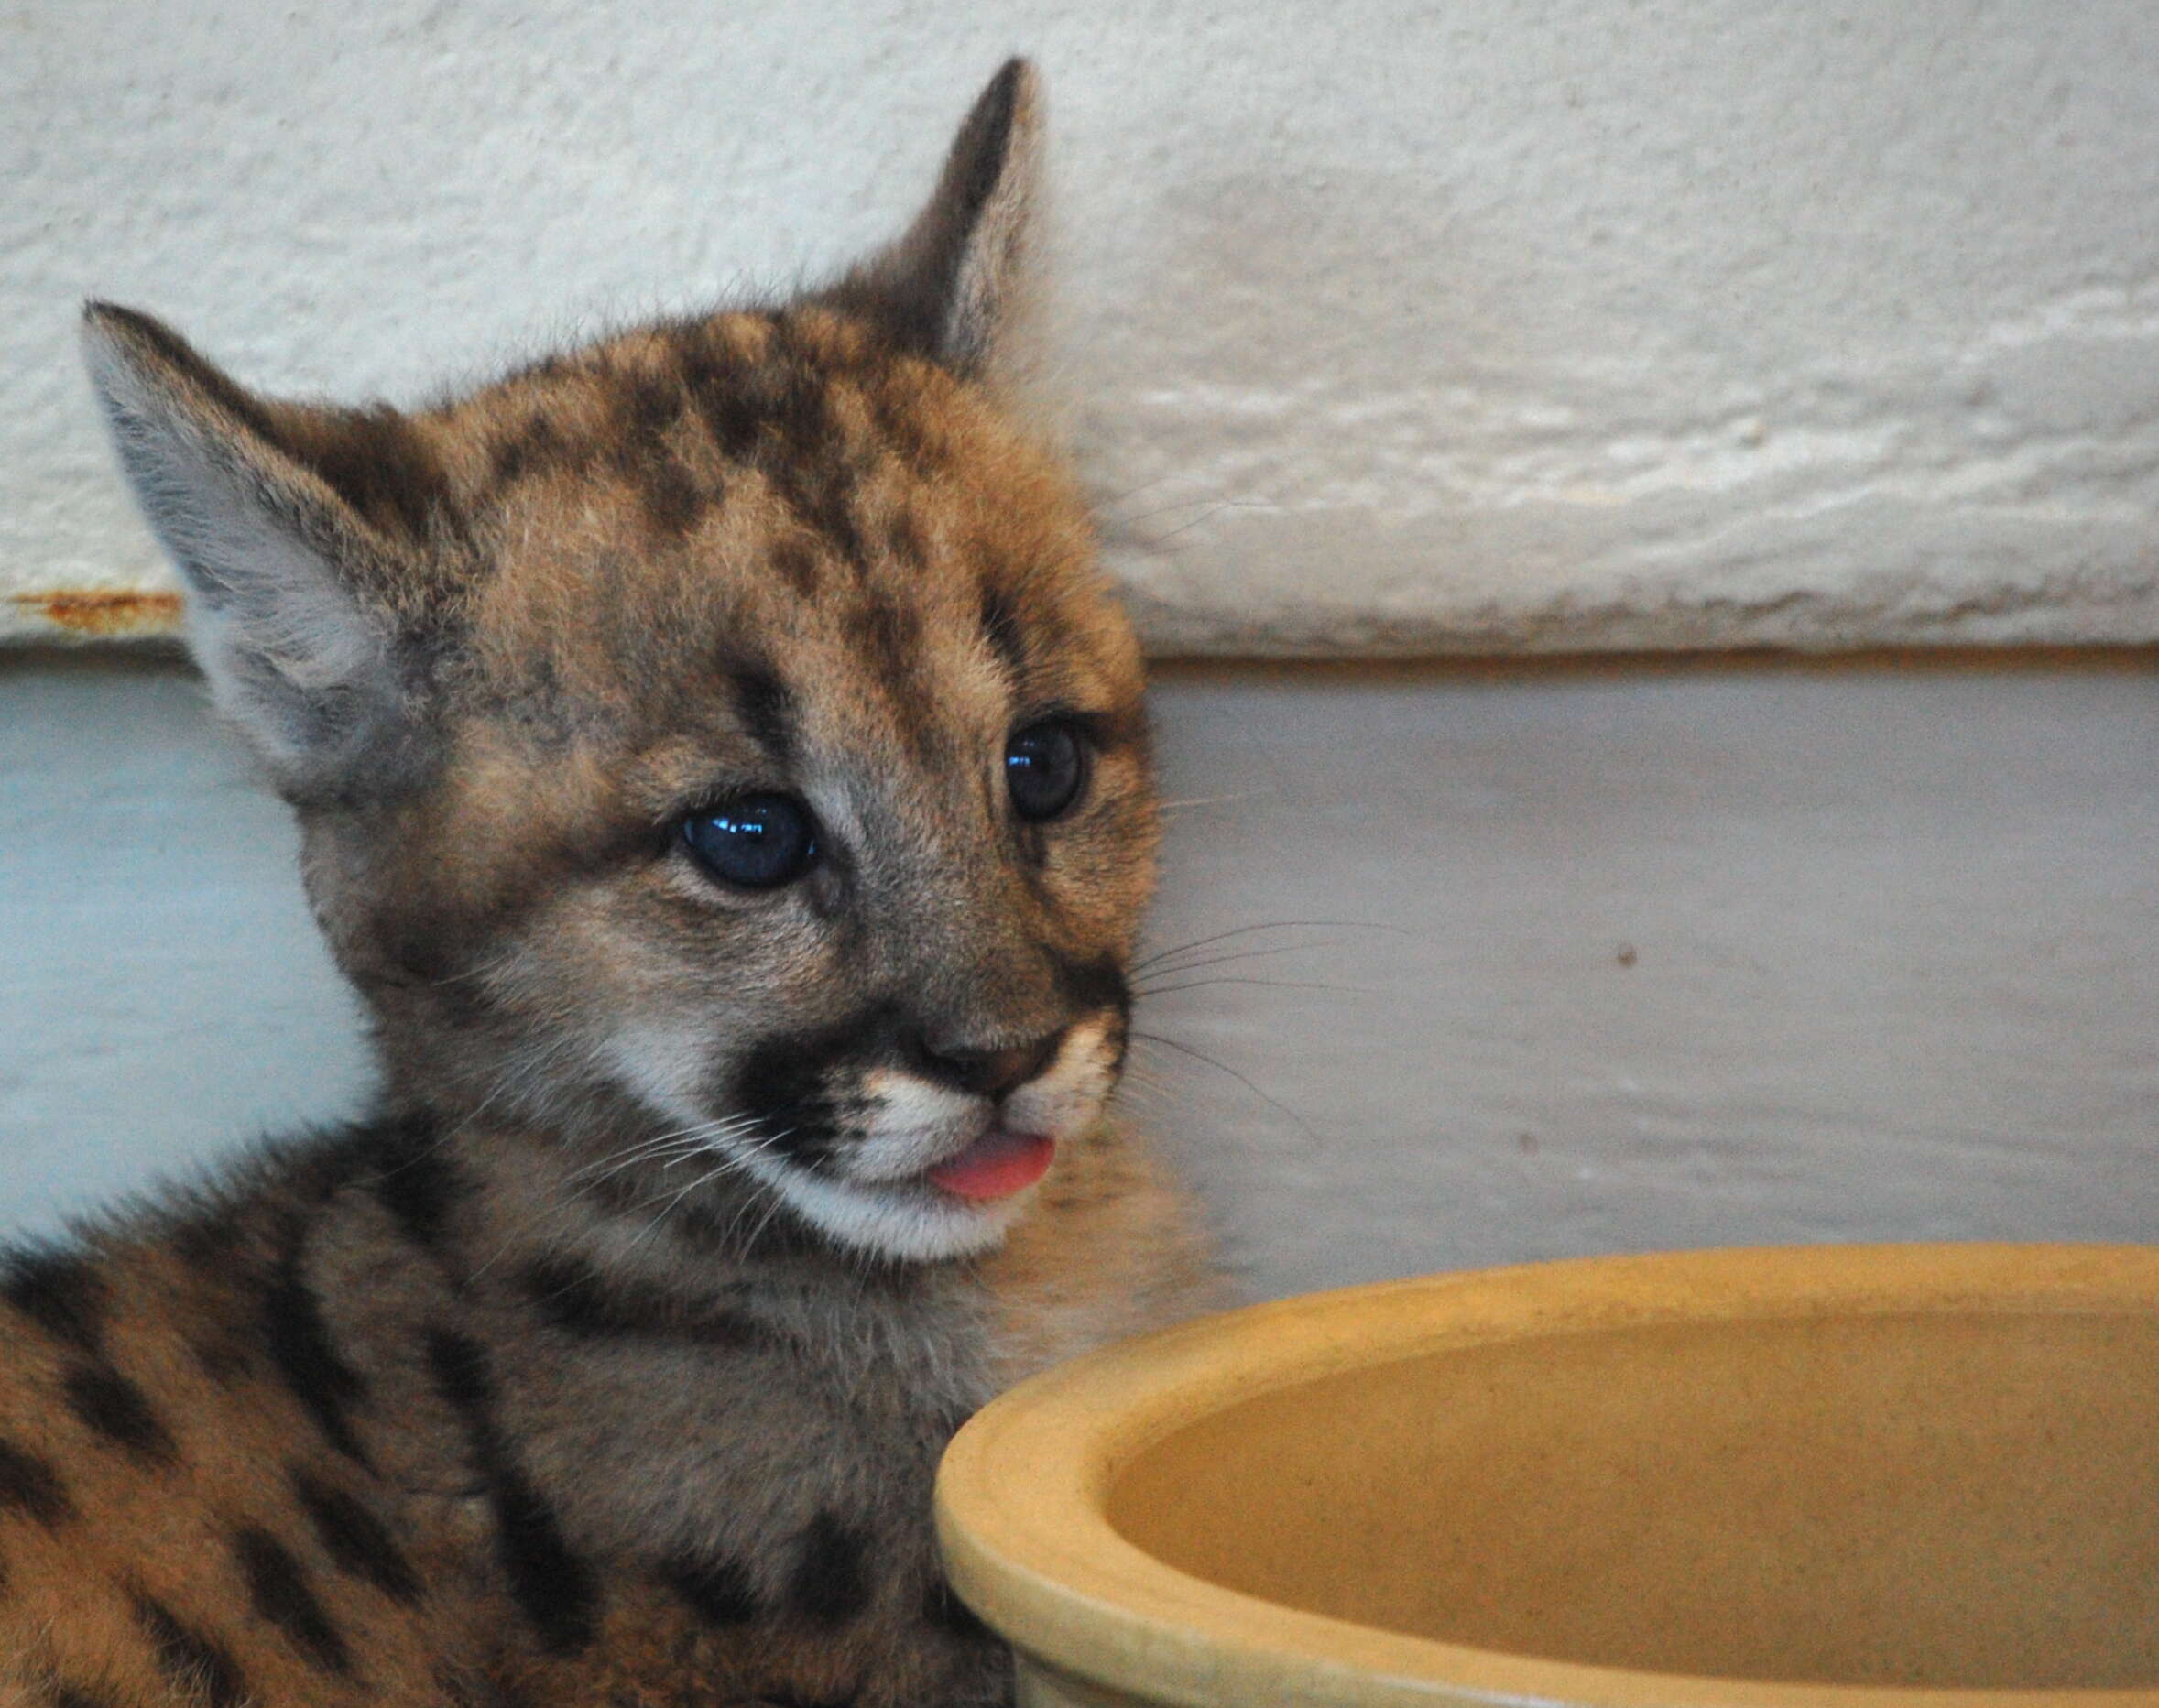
[1963,1498]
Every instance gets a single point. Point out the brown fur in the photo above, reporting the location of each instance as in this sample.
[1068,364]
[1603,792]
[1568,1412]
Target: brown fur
[515,1393]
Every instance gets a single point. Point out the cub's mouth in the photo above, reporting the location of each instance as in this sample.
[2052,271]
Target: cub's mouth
[997,1166]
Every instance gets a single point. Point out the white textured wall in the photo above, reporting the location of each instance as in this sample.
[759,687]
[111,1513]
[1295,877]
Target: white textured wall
[1671,958]
[1492,324]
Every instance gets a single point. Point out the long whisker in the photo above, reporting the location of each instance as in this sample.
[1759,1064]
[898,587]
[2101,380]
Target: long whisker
[1269,984]
[1268,925]
[1200,1055]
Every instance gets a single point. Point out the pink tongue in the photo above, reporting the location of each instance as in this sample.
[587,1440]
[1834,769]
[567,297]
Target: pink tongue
[996,1165]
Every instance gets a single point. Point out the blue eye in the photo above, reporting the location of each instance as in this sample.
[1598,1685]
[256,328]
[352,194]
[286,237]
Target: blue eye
[1045,768]
[758,841]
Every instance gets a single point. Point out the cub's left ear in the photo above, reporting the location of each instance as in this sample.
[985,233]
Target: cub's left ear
[297,528]
[956,285]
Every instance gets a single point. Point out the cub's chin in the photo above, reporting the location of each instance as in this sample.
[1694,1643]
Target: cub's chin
[907,1221]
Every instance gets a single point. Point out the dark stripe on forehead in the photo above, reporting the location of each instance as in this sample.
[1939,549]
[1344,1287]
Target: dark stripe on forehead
[647,407]
[886,635]
[765,707]
[1002,629]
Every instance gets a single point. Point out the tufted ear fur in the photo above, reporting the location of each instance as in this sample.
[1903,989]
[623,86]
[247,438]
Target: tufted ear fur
[955,285]
[291,579]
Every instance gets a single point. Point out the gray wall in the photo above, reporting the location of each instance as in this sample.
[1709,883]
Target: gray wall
[1668,956]
[1482,326]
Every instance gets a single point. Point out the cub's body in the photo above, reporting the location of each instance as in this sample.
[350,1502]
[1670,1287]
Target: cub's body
[721,771]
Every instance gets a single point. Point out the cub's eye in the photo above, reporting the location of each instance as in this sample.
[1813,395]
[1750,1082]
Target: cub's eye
[758,841]
[1045,768]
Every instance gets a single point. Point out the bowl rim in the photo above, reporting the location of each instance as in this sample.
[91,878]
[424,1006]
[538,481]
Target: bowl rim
[1035,1556]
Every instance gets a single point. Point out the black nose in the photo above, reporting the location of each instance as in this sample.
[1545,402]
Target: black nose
[992,1073]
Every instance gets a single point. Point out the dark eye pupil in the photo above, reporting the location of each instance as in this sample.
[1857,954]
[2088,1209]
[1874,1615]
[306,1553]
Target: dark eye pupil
[1045,769]
[759,842]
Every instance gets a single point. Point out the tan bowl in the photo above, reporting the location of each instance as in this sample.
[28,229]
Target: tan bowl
[1917,1475]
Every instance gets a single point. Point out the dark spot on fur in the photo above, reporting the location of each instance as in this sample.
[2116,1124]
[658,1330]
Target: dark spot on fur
[1091,986]
[886,635]
[376,462]
[1001,628]
[532,447]
[278,1589]
[308,1361]
[945,1611]
[61,1292]
[650,404]
[113,1407]
[222,1361]
[765,707]
[573,1296]
[417,1181]
[551,1586]
[718,1591]
[61,1694]
[797,565]
[32,1487]
[198,1668]
[830,1582]
[904,540]
[671,501]
[358,1542]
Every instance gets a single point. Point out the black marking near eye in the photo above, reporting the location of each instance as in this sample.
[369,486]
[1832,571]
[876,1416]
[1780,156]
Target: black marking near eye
[110,1404]
[280,1592]
[32,1487]
[718,1591]
[552,1588]
[308,1361]
[60,1291]
[830,1582]
[358,1543]
[199,1668]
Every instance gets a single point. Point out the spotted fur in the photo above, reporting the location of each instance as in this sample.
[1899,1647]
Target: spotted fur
[608,1361]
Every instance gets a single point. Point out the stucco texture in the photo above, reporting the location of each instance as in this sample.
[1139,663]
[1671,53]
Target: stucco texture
[1495,326]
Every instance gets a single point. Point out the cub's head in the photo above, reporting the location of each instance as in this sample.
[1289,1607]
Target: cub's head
[717,748]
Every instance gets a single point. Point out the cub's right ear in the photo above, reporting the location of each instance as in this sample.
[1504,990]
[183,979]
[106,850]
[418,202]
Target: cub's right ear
[239,490]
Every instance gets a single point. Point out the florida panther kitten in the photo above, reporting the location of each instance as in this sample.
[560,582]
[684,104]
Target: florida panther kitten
[722,770]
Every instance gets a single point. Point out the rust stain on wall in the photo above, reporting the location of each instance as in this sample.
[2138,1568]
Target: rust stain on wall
[105,615]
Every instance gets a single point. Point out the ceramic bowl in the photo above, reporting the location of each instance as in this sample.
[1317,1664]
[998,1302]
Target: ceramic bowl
[1860,1477]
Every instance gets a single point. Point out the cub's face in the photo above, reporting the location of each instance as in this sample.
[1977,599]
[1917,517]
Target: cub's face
[804,811]
[716,750]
